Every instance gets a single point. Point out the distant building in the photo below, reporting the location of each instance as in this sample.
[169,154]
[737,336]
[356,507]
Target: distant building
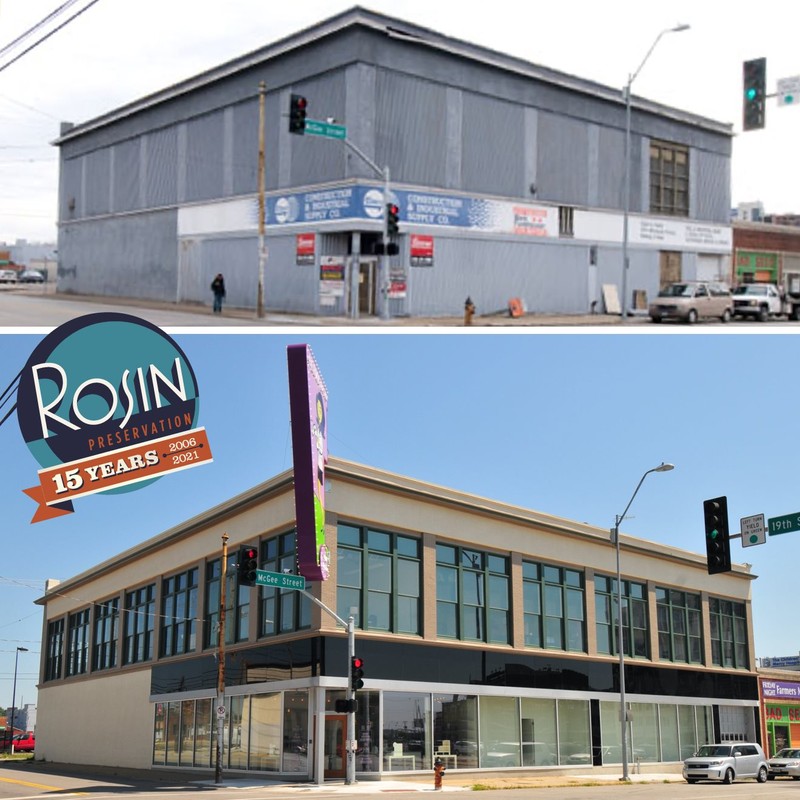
[767,253]
[508,175]
[749,212]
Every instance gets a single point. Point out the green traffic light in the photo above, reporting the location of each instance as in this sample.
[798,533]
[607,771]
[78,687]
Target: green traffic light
[751,94]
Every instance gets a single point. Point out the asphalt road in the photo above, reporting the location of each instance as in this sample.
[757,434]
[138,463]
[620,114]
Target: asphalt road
[38,306]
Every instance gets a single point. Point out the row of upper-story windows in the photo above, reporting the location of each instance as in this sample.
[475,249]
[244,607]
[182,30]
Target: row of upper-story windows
[379,584]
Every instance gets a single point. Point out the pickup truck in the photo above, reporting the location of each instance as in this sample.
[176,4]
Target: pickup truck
[764,301]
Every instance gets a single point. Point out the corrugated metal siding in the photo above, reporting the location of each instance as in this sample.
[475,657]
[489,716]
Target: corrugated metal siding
[493,146]
[132,256]
[204,157]
[126,176]
[411,128]
[562,168]
[547,276]
[610,168]
[161,169]
[711,186]
[245,149]
[98,180]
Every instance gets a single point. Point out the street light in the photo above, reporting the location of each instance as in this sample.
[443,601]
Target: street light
[623,714]
[14,693]
[627,185]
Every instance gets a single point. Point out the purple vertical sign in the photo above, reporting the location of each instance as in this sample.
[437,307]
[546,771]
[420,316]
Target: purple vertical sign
[308,406]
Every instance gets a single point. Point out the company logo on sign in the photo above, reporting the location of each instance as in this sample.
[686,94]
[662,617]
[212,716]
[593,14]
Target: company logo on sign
[107,403]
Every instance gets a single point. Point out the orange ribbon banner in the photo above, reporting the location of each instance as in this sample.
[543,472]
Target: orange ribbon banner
[62,483]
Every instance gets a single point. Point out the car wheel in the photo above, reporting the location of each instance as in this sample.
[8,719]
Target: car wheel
[691,780]
[655,319]
[762,775]
[726,315]
[796,312]
[763,314]
[728,776]
[691,317]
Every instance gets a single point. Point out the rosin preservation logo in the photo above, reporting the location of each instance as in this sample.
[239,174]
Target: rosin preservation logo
[107,403]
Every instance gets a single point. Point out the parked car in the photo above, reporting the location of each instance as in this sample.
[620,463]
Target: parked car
[759,300]
[8,276]
[24,743]
[785,763]
[727,763]
[31,276]
[690,301]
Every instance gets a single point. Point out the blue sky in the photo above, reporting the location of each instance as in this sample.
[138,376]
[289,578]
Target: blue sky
[564,423]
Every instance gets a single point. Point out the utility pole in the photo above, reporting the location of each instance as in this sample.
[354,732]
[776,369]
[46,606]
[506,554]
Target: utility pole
[223,572]
[262,215]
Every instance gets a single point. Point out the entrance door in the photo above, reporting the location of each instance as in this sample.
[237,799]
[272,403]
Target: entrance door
[366,286]
[780,738]
[335,738]
[670,268]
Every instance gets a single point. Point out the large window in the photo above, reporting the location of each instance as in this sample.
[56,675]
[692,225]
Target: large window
[669,179]
[237,604]
[378,579]
[78,643]
[728,634]
[139,624]
[472,595]
[680,626]
[635,639]
[55,650]
[106,632]
[553,600]
[282,610]
[178,613]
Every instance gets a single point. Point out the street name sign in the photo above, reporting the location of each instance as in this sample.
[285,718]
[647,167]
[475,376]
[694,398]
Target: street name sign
[279,580]
[753,530]
[789,91]
[785,524]
[316,127]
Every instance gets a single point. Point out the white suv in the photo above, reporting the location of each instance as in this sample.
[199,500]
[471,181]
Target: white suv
[727,763]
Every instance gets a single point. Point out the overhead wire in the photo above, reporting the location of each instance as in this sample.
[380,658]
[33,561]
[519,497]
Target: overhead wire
[47,35]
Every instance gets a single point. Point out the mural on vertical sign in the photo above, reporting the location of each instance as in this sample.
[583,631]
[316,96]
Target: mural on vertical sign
[308,407]
[107,403]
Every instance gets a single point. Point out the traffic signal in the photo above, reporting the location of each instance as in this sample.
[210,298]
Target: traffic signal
[392,219]
[356,673]
[755,92]
[297,114]
[246,565]
[718,542]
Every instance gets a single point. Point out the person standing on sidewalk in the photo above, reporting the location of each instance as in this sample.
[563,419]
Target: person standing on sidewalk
[218,288]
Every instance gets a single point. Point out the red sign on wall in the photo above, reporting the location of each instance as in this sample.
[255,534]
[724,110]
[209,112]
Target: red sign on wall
[421,250]
[306,246]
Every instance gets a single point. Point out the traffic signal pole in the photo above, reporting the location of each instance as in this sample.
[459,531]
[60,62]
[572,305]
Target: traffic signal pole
[349,626]
[383,269]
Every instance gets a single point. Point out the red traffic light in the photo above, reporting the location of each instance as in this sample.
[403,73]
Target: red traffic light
[358,663]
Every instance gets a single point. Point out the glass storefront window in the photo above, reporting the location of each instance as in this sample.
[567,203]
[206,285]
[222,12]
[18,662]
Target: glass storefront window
[236,732]
[499,728]
[670,740]
[265,732]
[575,739]
[644,732]
[455,721]
[295,732]
[406,731]
[538,732]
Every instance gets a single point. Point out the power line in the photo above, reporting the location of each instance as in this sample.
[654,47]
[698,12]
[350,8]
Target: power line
[46,36]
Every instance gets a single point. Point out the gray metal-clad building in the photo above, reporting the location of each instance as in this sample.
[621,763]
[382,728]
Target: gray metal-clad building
[508,177]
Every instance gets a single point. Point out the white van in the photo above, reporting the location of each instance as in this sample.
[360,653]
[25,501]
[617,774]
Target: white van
[8,276]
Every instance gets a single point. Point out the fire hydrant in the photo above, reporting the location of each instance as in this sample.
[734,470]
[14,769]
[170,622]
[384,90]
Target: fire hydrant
[438,772]
[469,311]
